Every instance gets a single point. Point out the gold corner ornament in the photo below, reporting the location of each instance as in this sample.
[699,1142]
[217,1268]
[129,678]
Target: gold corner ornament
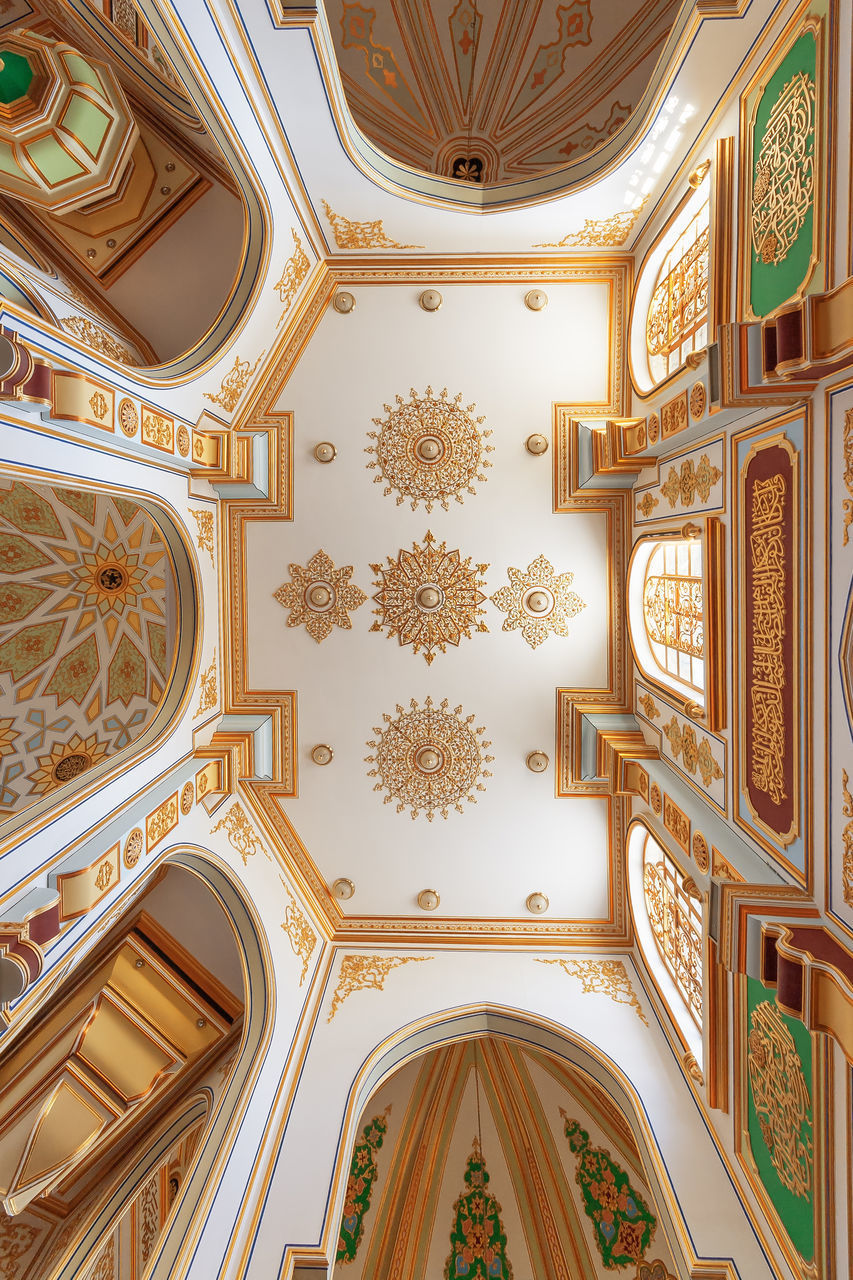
[781,1097]
[429,448]
[233,384]
[599,233]
[647,702]
[538,602]
[295,270]
[847,838]
[605,977]
[361,973]
[301,936]
[241,834]
[429,597]
[319,596]
[429,759]
[783,182]
[361,235]
[848,474]
[207,698]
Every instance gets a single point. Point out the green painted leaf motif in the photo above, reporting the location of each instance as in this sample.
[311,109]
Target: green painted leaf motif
[621,1218]
[29,512]
[362,1176]
[126,675]
[29,647]
[477,1238]
[17,555]
[75,672]
[17,601]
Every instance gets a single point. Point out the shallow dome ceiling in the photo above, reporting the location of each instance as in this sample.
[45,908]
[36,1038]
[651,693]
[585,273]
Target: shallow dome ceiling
[491,93]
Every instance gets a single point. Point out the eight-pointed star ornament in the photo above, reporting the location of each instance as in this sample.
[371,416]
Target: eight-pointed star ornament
[319,596]
[538,602]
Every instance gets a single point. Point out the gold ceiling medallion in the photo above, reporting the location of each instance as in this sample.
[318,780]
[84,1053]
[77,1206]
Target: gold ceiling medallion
[67,760]
[319,596]
[538,602]
[429,597]
[110,578]
[361,235]
[783,185]
[598,233]
[429,759]
[429,449]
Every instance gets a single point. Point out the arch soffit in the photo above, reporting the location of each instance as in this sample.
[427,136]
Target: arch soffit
[187,654]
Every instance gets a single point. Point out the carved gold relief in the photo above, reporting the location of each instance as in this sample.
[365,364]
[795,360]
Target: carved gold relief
[847,837]
[690,482]
[647,504]
[207,698]
[698,398]
[204,537]
[610,977]
[654,798]
[187,797]
[360,973]
[673,415]
[599,232]
[538,602]
[241,834]
[319,596]
[647,702]
[128,418]
[781,1097]
[163,820]
[300,935]
[233,384]
[429,759]
[429,597]
[98,405]
[700,852]
[361,235]
[182,437]
[98,339]
[783,182]
[694,755]
[430,449]
[295,270]
[676,822]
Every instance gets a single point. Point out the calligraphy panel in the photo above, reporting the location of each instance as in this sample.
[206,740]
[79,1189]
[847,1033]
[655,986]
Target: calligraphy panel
[769,747]
[782,174]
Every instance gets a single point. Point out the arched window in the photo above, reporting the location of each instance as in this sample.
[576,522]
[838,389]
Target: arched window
[675,918]
[677,318]
[673,609]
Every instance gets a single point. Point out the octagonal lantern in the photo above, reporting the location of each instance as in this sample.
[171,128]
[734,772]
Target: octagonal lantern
[66,130]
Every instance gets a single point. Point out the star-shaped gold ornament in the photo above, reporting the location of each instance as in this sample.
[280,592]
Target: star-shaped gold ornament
[319,596]
[429,597]
[538,602]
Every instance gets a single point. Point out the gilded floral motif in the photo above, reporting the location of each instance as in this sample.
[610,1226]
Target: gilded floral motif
[599,232]
[98,339]
[300,935]
[319,596]
[429,597]
[361,973]
[781,1097]
[98,405]
[429,759]
[163,820]
[241,834]
[694,754]
[847,838]
[848,472]
[204,537]
[295,270]
[207,696]
[690,482]
[647,504]
[233,384]
[538,602]
[610,977]
[361,235]
[650,708]
[430,449]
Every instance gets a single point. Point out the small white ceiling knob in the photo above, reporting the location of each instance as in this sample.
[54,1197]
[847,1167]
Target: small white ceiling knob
[428,899]
[343,888]
[325,451]
[343,302]
[537,762]
[322,754]
[537,903]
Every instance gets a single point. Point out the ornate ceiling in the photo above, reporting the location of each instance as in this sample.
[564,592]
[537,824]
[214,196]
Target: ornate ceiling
[87,633]
[426,604]
[503,1161]
[492,92]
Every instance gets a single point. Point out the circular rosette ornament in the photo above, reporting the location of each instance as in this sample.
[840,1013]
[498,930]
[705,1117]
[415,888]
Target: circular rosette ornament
[429,759]
[430,449]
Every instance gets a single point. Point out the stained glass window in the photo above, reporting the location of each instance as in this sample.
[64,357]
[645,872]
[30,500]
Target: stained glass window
[676,922]
[673,609]
[677,320]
